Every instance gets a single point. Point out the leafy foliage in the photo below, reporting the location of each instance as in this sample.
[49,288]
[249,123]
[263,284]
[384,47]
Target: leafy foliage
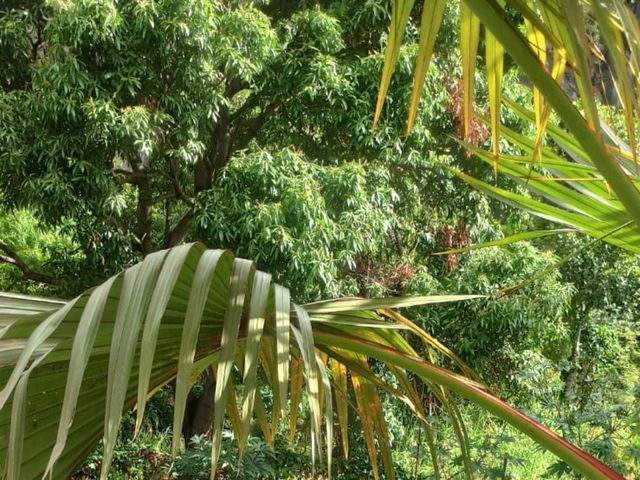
[601,164]
[257,462]
[120,130]
[129,127]
[491,334]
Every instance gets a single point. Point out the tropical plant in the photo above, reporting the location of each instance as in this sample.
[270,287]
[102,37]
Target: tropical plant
[595,189]
[93,91]
[70,368]
[122,125]
[586,177]
[106,333]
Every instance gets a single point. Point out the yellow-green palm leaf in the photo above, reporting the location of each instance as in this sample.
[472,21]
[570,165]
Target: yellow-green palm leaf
[561,26]
[68,370]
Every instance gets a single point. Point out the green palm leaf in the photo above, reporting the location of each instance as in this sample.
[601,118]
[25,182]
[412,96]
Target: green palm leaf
[571,192]
[563,26]
[181,311]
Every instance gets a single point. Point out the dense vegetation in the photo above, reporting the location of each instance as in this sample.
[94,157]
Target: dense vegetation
[128,127]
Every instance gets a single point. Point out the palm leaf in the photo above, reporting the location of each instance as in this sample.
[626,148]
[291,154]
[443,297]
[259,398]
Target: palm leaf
[495,60]
[432,14]
[570,192]
[257,314]
[469,39]
[563,24]
[65,390]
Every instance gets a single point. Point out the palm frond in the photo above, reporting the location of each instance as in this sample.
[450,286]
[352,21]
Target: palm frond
[570,191]
[561,26]
[69,370]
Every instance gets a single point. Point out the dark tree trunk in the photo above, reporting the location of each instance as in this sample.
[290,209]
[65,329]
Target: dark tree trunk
[226,138]
[199,411]
[176,236]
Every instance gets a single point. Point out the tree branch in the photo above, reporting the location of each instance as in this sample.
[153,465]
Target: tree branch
[220,150]
[143,216]
[175,183]
[11,257]
[131,176]
[252,129]
[177,234]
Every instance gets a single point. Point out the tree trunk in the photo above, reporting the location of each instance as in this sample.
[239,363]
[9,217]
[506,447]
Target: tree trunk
[143,214]
[568,391]
[199,411]
[175,237]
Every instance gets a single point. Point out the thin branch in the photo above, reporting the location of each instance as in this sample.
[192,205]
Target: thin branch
[12,258]
[177,187]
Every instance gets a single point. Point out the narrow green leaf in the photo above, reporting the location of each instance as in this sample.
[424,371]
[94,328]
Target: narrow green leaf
[380,427]
[328,412]
[348,304]
[496,21]
[241,278]
[430,342]
[457,423]
[283,307]
[80,355]
[171,269]
[339,376]
[495,70]
[257,313]
[432,14]
[15,446]
[297,382]
[631,31]
[539,46]
[577,45]
[366,419]
[469,39]
[201,284]
[518,237]
[612,38]
[12,304]
[136,293]
[36,339]
[304,338]
[232,410]
[261,417]
[400,11]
